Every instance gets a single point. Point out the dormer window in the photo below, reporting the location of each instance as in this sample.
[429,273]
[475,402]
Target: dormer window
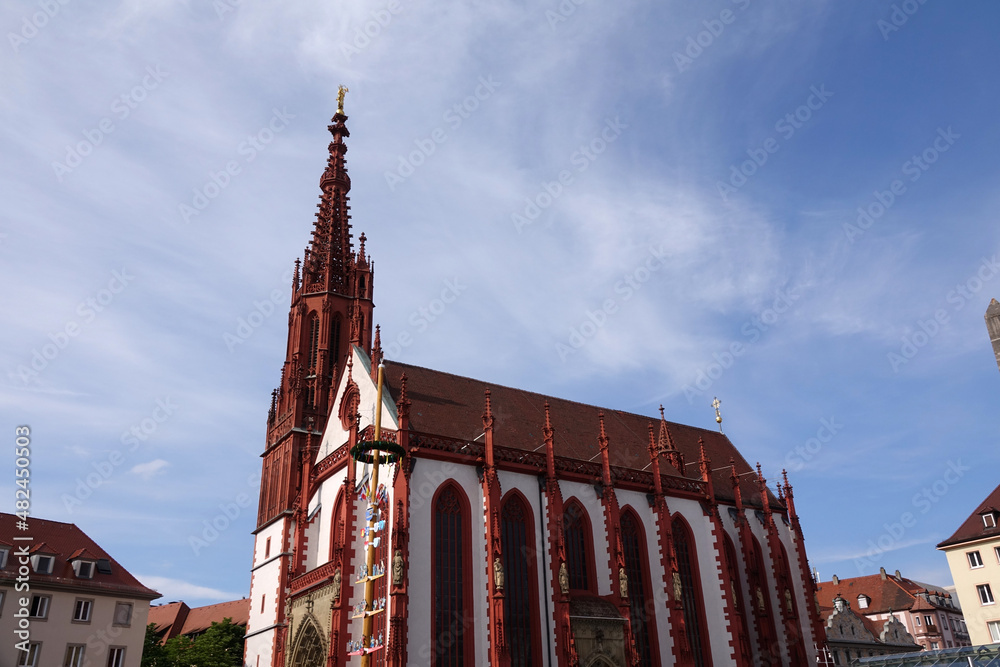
[863,601]
[3,557]
[989,520]
[43,564]
[84,569]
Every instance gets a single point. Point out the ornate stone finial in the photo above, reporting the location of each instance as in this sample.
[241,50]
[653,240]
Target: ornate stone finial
[603,437]
[341,92]
[488,415]
[718,415]
[666,442]
[361,247]
[548,422]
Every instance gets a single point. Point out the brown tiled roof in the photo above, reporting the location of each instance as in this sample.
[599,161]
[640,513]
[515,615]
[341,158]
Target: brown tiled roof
[200,619]
[885,594]
[452,406]
[64,541]
[177,618]
[972,528]
[168,619]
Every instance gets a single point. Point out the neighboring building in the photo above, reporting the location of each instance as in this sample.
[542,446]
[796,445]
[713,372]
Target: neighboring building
[516,525]
[83,607]
[927,612]
[176,618]
[850,635]
[993,327]
[974,558]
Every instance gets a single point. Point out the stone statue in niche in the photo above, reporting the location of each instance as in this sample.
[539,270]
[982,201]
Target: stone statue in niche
[563,578]
[497,573]
[397,568]
[336,584]
[678,587]
[622,582]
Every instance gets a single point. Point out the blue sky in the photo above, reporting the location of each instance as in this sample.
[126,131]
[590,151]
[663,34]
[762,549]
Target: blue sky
[635,202]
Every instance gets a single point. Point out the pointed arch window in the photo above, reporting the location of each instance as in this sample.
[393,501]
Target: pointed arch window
[732,571]
[766,627]
[521,585]
[641,604]
[691,598]
[451,588]
[335,341]
[578,539]
[313,342]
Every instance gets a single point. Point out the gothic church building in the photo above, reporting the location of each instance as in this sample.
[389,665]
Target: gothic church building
[518,529]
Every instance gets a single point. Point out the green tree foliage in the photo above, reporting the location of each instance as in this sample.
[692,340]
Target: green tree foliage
[219,646]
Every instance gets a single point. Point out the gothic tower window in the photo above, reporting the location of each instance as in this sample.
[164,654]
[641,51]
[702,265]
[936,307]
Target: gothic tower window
[451,607]
[579,553]
[641,605]
[313,343]
[335,342]
[691,601]
[520,589]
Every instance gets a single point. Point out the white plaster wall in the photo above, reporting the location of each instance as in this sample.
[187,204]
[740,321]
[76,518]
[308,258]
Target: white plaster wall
[327,498]
[427,477]
[264,581]
[637,501]
[709,568]
[335,435]
[587,496]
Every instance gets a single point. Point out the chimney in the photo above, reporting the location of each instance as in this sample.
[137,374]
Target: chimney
[836,580]
[881,572]
[899,577]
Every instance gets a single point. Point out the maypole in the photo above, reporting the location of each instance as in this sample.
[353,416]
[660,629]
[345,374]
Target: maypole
[375,452]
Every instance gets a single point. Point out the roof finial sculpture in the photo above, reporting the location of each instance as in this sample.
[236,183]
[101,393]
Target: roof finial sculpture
[341,92]
[718,415]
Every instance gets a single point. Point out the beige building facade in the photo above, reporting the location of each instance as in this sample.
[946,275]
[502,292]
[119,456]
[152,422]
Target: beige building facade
[973,553]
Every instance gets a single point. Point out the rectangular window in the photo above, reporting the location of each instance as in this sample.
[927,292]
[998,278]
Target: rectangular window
[975,560]
[989,521]
[123,613]
[3,558]
[74,655]
[917,620]
[985,594]
[996,550]
[2,596]
[994,627]
[84,569]
[267,548]
[43,564]
[929,621]
[81,611]
[39,606]
[29,658]
[116,656]
[934,646]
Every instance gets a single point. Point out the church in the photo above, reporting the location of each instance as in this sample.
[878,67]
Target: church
[502,527]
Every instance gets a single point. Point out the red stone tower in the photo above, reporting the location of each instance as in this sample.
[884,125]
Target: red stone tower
[331,309]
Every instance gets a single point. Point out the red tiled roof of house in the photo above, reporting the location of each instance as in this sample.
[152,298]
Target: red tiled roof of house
[168,619]
[885,593]
[63,540]
[973,528]
[452,406]
[200,619]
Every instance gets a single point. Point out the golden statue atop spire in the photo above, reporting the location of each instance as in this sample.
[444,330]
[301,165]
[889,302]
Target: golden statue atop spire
[718,415]
[341,92]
